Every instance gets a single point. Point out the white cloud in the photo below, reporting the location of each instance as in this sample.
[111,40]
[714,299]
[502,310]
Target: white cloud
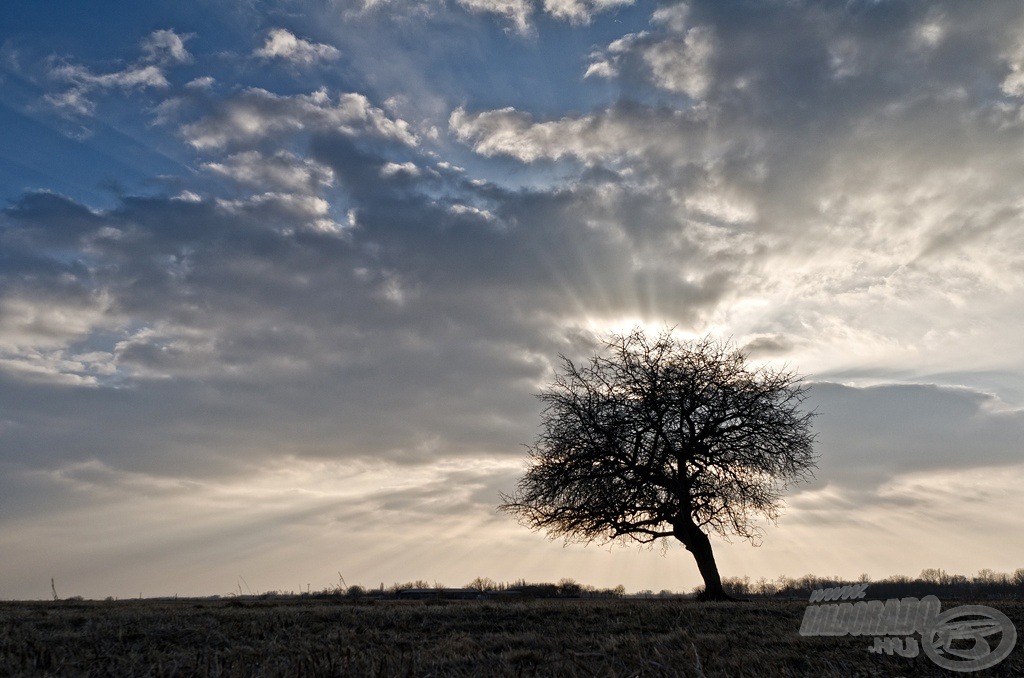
[73,101]
[282,44]
[257,114]
[581,11]
[205,82]
[37,336]
[509,132]
[673,16]
[129,78]
[683,65]
[286,210]
[930,32]
[1013,83]
[516,11]
[603,136]
[676,58]
[164,46]
[49,322]
[575,11]
[390,169]
[282,171]
[461,210]
[601,68]
[168,110]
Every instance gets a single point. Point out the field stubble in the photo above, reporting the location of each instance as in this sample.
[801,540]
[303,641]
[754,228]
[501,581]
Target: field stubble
[329,637]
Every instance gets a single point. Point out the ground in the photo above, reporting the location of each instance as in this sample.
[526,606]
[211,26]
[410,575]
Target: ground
[336,637]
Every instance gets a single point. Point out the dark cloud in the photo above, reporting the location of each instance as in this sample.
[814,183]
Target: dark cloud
[869,435]
[767,346]
[50,219]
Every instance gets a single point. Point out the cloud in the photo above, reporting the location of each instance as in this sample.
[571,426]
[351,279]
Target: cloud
[282,44]
[265,301]
[293,499]
[37,332]
[166,46]
[767,345]
[682,66]
[340,500]
[392,168]
[281,171]
[203,83]
[581,11]
[847,182]
[256,114]
[47,322]
[509,132]
[1013,84]
[234,290]
[516,11]
[874,433]
[162,48]
[458,209]
[622,131]
[676,60]
[288,209]
[901,528]
[132,77]
[333,315]
[77,99]
[519,13]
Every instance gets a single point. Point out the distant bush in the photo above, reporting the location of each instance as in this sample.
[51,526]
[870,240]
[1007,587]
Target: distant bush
[355,591]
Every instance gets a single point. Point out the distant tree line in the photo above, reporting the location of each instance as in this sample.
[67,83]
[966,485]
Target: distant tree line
[987,584]
[487,588]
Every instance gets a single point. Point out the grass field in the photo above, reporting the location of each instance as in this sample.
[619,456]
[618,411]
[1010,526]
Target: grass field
[335,637]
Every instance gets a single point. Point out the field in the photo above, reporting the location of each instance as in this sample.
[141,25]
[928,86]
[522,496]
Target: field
[336,637]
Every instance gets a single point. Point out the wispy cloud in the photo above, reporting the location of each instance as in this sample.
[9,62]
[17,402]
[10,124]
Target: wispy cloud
[161,49]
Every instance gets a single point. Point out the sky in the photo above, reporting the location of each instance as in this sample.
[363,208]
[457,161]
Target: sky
[279,281]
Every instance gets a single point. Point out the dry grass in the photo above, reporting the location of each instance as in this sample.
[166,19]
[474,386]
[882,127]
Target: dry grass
[304,637]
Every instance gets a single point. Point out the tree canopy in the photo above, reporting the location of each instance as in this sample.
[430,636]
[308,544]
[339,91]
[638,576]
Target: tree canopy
[661,437]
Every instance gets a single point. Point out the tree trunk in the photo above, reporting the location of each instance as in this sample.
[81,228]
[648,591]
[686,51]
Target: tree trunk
[697,543]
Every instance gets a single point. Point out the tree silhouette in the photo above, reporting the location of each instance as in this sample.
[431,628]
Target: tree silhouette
[664,438]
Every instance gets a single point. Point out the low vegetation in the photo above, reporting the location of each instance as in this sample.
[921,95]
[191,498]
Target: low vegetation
[498,629]
[328,635]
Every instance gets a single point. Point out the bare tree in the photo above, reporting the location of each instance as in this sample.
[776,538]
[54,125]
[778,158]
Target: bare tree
[664,438]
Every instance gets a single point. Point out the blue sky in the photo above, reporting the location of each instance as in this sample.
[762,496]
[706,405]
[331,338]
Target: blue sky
[278,281]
